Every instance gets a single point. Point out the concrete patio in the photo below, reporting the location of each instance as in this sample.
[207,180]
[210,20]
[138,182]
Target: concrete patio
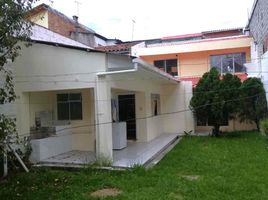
[136,153]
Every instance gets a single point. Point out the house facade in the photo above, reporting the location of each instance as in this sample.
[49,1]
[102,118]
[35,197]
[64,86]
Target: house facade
[73,98]
[188,57]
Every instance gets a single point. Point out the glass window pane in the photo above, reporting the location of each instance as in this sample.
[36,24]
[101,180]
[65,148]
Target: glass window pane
[239,61]
[159,63]
[63,111]
[215,61]
[171,63]
[76,111]
[172,70]
[75,97]
[62,97]
[227,63]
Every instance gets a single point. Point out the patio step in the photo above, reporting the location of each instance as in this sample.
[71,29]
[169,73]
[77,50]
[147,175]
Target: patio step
[59,165]
[160,154]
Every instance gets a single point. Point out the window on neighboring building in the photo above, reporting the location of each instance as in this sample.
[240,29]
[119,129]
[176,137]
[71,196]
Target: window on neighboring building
[169,66]
[69,106]
[229,63]
[155,102]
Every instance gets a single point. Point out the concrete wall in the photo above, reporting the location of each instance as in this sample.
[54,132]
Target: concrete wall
[84,38]
[187,47]
[83,132]
[44,70]
[234,125]
[264,69]
[259,25]
[57,68]
[174,116]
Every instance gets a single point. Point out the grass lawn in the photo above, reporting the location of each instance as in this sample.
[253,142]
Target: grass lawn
[232,167]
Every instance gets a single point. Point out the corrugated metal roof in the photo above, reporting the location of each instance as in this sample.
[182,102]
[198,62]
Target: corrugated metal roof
[222,30]
[42,34]
[182,36]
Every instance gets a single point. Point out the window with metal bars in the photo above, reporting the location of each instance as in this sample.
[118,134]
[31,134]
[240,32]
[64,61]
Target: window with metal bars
[69,106]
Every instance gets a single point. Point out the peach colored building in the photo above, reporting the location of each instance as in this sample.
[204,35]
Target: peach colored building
[189,56]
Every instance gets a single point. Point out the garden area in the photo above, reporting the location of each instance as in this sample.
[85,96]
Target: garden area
[233,166]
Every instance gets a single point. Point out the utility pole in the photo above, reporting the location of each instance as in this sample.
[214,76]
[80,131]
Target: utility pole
[133,26]
[78,4]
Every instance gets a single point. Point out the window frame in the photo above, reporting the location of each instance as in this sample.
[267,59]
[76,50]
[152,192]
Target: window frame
[243,56]
[69,101]
[155,104]
[165,66]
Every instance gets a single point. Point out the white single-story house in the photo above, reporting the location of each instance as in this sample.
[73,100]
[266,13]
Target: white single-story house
[78,103]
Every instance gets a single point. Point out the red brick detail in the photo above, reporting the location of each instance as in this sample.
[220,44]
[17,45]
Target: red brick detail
[195,80]
[61,25]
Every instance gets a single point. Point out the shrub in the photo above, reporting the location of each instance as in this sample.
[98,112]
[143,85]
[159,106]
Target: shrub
[264,126]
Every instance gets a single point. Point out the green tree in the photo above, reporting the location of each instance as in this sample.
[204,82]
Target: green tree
[253,105]
[215,98]
[13,29]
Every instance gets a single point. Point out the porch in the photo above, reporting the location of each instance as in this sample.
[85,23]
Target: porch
[136,153]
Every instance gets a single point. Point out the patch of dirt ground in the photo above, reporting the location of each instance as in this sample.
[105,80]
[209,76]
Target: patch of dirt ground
[107,192]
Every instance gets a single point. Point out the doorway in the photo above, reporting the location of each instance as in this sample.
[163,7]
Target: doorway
[127,113]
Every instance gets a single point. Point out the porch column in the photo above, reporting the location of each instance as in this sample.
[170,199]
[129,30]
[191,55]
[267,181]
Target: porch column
[104,144]
[23,114]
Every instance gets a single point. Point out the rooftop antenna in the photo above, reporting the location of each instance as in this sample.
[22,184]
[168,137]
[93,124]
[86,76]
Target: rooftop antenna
[51,2]
[78,3]
[133,26]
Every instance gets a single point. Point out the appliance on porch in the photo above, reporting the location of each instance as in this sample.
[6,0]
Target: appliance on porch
[119,135]
[119,129]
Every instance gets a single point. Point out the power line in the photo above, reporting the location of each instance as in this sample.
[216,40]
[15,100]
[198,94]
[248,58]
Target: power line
[87,73]
[146,117]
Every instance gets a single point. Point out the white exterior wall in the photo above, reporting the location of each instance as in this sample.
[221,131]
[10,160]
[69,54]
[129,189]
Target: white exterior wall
[174,100]
[253,66]
[57,68]
[44,70]
[83,138]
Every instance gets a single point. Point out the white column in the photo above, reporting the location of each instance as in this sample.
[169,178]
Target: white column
[141,114]
[104,145]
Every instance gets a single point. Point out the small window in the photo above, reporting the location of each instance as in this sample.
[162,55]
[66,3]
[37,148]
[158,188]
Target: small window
[69,106]
[169,66]
[155,102]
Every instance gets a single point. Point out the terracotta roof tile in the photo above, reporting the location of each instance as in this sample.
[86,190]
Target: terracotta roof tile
[118,47]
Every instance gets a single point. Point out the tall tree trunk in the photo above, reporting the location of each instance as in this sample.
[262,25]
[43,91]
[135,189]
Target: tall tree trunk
[257,124]
[216,130]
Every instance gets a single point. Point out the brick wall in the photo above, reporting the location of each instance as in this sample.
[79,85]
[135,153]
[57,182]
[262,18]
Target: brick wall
[259,25]
[61,25]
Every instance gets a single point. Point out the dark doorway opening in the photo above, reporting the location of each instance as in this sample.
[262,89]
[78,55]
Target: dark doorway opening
[127,113]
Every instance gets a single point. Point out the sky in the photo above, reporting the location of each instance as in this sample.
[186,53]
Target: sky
[148,19]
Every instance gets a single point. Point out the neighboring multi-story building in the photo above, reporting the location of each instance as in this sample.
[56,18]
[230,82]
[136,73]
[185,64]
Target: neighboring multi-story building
[189,56]
[56,21]
[258,29]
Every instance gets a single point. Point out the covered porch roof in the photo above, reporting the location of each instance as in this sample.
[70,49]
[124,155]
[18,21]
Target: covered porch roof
[141,70]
